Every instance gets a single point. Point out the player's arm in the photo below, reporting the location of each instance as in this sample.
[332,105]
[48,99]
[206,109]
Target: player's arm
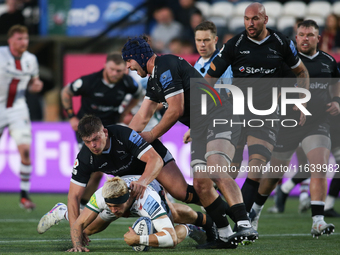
[172,114]
[154,164]
[143,116]
[334,90]
[302,76]
[73,200]
[86,217]
[165,236]
[35,85]
[133,102]
[66,100]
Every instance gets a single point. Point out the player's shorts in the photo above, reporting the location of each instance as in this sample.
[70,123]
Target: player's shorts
[18,122]
[335,131]
[288,139]
[205,132]
[260,128]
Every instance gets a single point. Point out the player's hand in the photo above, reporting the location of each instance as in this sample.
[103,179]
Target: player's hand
[78,249]
[137,189]
[334,108]
[131,238]
[74,121]
[35,85]
[187,137]
[302,115]
[147,136]
[85,239]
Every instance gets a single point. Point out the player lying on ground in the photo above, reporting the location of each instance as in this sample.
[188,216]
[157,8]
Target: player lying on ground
[113,201]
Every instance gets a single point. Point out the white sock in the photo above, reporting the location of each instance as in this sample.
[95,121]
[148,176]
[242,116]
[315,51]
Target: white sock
[225,232]
[257,208]
[61,212]
[303,196]
[25,174]
[317,218]
[329,203]
[287,186]
[244,223]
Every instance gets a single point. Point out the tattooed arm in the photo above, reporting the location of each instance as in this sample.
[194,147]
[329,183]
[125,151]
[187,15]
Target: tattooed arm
[79,240]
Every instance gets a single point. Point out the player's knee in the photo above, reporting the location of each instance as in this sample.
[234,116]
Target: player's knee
[191,196]
[259,152]
[220,153]
[167,238]
[202,186]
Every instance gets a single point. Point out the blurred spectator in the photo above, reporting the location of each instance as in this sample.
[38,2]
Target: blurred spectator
[227,37]
[165,30]
[30,12]
[13,16]
[187,48]
[175,46]
[328,41]
[187,8]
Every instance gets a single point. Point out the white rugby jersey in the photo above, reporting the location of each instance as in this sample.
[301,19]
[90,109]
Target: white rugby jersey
[152,204]
[14,77]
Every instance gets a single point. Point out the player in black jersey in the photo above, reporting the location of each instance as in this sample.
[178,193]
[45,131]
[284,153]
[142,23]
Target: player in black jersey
[256,55]
[101,94]
[314,135]
[119,150]
[169,83]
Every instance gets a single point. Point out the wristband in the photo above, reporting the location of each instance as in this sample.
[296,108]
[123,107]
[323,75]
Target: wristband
[69,113]
[144,240]
[336,99]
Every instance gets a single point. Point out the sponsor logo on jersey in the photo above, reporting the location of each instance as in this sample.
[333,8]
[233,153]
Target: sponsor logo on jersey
[77,84]
[242,69]
[273,54]
[318,85]
[278,38]
[74,171]
[326,68]
[98,94]
[76,163]
[245,52]
[239,40]
[93,201]
[254,70]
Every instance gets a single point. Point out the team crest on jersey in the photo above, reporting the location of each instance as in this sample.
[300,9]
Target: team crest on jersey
[77,84]
[242,69]
[325,68]
[76,163]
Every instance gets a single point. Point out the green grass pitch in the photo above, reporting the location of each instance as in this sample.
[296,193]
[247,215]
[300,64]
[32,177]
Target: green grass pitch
[287,233]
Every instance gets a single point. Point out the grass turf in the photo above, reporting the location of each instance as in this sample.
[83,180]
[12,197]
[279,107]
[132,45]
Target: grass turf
[287,233]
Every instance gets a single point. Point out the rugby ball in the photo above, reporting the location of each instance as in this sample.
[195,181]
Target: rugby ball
[142,226]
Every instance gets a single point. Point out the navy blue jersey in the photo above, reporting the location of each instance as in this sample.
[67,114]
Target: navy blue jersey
[102,99]
[171,76]
[323,72]
[122,158]
[256,60]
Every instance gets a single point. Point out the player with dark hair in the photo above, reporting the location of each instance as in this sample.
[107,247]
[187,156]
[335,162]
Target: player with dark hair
[315,134]
[19,71]
[101,94]
[255,55]
[170,84]
[119,151]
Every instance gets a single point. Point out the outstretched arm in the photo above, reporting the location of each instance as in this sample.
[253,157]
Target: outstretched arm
[143,116]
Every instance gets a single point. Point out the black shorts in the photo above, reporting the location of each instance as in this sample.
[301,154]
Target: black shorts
[205,131]
[335,131]
[288,139]
[259,127]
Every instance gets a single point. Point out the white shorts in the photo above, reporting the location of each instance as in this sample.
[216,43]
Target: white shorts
[18,122]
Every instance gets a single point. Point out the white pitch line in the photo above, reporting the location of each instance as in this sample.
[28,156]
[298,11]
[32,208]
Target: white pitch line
[118,239]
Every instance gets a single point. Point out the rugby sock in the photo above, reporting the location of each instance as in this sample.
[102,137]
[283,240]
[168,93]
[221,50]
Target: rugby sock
[205,221]
[259,202]
[216,211]
[25,184]
[303,195]
[287,186]
[249,190]
[329,203]
[240,213]
[317,208]
[334,187]
[62,213]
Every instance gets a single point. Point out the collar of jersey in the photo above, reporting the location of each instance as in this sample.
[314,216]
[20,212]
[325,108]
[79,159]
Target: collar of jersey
[310,57]
[259,42]
[109,149]
[202,61]
[110,85]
